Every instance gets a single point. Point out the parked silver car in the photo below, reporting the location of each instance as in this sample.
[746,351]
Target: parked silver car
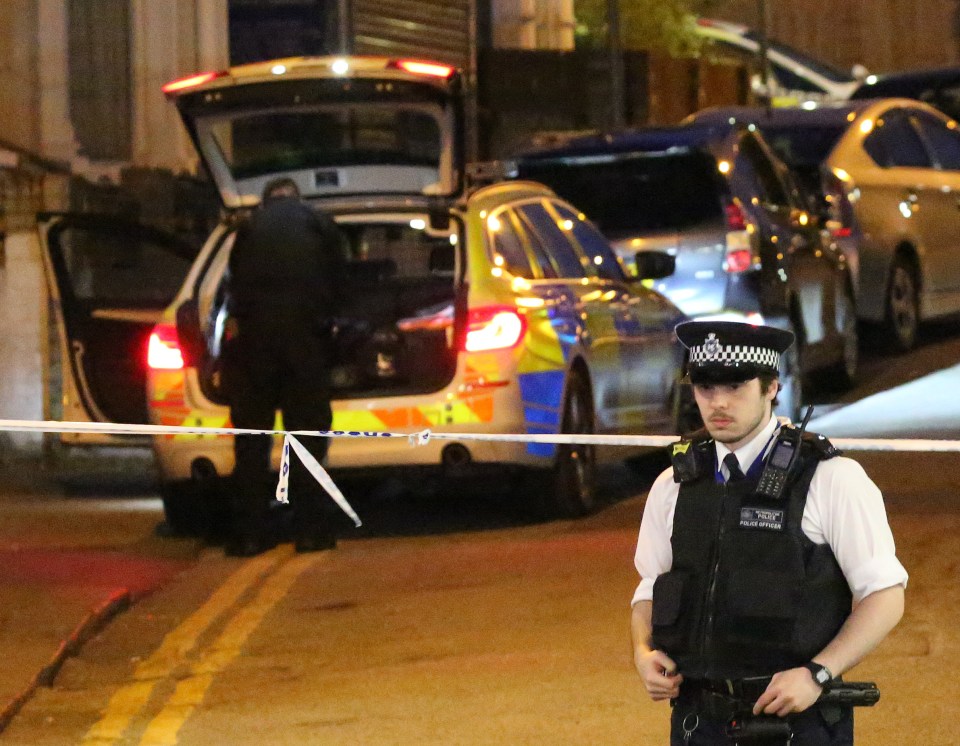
[888,171]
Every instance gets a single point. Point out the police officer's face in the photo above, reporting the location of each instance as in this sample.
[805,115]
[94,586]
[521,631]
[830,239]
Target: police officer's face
[734,412]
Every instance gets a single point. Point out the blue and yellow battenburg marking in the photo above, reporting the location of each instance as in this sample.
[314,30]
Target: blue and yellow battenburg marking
[541,370]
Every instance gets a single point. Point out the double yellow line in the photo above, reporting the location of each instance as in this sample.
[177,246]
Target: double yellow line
[276,571]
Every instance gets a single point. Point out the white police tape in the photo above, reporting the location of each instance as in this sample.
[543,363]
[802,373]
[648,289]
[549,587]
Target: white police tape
[420,438]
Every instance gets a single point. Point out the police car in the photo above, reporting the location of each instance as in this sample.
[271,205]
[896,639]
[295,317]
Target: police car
[794,78]
[476,306]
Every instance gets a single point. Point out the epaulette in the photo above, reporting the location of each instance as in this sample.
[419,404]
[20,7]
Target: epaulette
[691,457]
[821,447]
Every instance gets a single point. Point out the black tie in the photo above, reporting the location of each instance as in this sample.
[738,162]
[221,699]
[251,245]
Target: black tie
[733,468]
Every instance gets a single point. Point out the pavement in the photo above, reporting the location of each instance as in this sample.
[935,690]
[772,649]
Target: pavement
[71,560]
[923,408]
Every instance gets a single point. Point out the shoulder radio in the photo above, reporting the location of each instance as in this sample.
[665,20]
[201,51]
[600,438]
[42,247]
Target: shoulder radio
[783,457]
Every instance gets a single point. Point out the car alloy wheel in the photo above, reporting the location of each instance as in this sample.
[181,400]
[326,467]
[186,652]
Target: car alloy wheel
[902,307]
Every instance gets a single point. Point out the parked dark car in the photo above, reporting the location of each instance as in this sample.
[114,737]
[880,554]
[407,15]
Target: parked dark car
[939,87]
[746,243]
[889,177]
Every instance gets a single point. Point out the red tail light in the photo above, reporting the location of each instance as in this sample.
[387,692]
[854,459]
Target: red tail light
[163,350]
[736,220]
[424,68]
[192,82]
[494,328]
[839,209]
[738,260]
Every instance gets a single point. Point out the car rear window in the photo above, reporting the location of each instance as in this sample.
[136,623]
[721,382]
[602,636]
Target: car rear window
[635,192]
[360,135]
[803,146]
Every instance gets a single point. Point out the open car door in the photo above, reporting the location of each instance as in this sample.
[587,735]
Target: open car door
[109,282]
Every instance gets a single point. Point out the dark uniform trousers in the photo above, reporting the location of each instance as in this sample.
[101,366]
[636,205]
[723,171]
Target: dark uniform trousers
[810,728]
[280,359]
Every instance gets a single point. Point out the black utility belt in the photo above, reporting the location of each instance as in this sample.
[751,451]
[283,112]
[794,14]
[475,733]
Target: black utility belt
[723,699]
[750,687]
[728,700]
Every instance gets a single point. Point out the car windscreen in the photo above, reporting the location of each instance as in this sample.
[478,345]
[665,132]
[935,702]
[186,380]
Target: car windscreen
[359,135]
[635,192]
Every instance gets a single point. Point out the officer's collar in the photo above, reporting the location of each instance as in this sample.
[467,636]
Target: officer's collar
[750,451]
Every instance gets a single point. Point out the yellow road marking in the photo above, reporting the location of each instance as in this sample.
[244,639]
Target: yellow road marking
[130,699]
[163,729]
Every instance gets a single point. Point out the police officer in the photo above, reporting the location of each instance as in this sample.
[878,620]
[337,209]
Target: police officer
[286,275]
[763,575]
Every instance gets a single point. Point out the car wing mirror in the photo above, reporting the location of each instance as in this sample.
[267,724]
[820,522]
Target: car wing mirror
[654,265]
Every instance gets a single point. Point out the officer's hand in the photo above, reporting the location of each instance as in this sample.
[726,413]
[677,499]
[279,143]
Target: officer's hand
[659,674]
[789,691]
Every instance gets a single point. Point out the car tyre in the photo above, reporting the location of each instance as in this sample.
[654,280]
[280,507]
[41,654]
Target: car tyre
[574,483]
[841,375]
[902,307]
[791,385]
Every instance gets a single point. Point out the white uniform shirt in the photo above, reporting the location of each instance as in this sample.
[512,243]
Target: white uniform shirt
[844,509]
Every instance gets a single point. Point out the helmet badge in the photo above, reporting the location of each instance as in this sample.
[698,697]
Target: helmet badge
[711,346]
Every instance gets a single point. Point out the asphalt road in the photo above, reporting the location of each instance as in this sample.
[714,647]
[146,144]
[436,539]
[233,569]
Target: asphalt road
[446,620]
[512,633]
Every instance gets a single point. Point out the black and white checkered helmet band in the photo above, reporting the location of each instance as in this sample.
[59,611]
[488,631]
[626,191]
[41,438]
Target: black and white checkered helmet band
[733,354]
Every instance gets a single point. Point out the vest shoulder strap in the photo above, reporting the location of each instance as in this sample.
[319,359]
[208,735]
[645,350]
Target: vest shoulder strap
[819,447]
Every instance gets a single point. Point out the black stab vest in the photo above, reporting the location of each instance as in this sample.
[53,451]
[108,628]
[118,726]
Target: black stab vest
[744,598]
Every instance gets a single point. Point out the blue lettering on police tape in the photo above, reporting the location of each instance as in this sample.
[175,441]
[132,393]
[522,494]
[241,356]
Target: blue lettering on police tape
[357,433]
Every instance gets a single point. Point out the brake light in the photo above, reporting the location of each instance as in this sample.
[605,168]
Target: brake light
[425,68]
[738,260]
[736,220]
[837,186]
[193,81]
[493,328]
[163,350]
